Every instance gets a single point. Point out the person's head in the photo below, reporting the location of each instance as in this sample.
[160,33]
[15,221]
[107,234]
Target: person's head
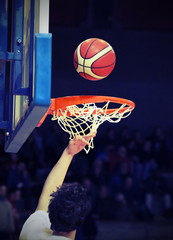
[68,207]
[3,191]
[15,194]
[104,191]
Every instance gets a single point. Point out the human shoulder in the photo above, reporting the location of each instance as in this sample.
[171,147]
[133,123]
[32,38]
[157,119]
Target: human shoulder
[39,214]
[6,205]
[36,224]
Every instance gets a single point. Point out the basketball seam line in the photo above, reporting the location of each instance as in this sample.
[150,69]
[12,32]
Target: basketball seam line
[93,67]
[86,54]
[96,60]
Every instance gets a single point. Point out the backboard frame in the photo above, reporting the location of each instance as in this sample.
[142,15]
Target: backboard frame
[27,91]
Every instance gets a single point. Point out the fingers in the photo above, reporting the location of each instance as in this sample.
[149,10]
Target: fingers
[85,138]
[81,140]
[84,141]
[89,136]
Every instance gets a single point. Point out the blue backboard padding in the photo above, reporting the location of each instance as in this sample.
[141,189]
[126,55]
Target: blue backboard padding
[42,94]
[43,59]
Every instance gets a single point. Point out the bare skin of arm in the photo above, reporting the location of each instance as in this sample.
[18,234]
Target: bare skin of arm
[58,172]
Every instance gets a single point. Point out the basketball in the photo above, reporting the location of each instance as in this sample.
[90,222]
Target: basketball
[94,59]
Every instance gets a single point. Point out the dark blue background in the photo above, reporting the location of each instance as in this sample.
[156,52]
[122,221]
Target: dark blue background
[142,37]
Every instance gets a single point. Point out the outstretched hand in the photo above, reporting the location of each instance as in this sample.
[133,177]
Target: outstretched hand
[78,143]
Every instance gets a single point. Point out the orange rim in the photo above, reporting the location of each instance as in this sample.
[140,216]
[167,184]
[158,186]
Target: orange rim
[63,102]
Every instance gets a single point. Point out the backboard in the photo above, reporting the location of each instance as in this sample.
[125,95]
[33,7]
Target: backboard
[25,68]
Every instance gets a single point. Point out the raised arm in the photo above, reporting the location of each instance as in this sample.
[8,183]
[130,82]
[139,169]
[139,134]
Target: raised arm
[58,172]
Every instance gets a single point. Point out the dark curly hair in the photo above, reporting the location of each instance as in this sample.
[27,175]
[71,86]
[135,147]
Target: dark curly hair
[68,207]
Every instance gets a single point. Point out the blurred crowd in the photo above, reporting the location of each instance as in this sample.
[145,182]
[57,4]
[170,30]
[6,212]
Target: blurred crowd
[129,176]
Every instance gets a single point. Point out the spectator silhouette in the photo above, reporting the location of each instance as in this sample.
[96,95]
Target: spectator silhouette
[18,207]
[6,215]
[105,203]
[99,173]
[19,177]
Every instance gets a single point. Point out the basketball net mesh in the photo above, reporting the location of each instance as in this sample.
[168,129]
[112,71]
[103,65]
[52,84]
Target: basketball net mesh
[86,118]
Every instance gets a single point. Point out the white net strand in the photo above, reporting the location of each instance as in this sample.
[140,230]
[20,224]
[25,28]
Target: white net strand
[88,117]
[117,115]
[73,125]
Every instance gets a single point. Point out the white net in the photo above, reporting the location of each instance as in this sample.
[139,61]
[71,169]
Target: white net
[80,120]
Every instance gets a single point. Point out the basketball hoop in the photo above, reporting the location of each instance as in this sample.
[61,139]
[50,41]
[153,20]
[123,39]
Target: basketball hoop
[79,115]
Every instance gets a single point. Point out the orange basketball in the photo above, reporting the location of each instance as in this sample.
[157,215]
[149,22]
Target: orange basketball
[94,59]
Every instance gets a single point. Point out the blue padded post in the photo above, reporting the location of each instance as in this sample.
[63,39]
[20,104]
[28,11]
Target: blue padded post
[42,89]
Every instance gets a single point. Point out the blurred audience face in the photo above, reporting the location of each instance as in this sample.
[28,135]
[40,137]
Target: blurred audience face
[122,152]
[103,191]
[3,191]
[97,164]
[147,146]
[128,182]
[16,195]
[119,197]
[87,183]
